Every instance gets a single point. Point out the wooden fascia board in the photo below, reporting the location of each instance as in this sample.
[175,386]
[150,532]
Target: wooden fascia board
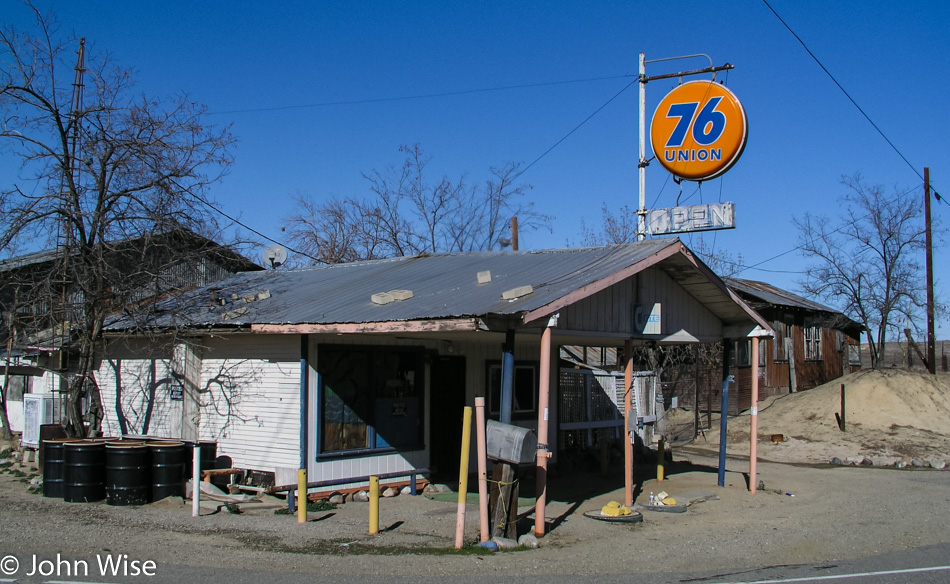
[717,281]
[604,283]
[402,327]
[759,320]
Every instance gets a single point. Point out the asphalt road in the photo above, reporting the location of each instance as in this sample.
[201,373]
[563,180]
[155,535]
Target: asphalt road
[843,525]
[925,565]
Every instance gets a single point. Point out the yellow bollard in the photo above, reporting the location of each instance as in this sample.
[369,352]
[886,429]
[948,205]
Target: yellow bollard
[301,495]
[373,505]
[463,476]
[660,460]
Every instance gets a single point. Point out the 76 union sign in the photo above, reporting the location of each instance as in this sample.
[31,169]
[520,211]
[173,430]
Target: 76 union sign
[699,130]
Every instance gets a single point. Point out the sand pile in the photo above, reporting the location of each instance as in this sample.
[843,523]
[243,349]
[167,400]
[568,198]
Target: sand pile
[873,399]
[890,414]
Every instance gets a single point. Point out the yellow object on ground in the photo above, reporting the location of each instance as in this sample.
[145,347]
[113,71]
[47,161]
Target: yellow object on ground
[669,501]
[614,509]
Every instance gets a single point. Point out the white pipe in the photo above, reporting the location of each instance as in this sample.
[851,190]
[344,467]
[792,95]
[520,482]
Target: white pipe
[195,479]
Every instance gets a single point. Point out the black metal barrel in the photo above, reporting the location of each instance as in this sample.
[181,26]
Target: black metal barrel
[84,471]
[209,454]
[168,469]
[128,473]
[53,462]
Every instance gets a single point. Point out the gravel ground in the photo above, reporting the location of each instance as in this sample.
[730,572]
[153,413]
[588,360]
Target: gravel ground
[835,513]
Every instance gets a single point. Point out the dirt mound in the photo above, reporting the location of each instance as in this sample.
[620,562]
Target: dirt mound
[874,399]
[890,414]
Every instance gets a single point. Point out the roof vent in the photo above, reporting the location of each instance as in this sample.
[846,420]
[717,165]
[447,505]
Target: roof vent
[516,292]
[391,296]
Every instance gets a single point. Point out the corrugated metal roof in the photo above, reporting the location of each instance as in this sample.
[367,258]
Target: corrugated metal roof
[29,259]
[224,253]
[775,296]
[443,286]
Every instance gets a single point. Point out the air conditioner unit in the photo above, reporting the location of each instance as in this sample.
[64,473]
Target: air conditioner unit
[38,409]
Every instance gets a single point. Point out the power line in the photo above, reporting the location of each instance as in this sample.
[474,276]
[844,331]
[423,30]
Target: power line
[444,94]
[848,95]
[214,208]
[587,119]
[525,169]
[414,97]
[798,247]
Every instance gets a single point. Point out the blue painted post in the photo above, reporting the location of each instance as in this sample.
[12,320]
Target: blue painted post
[507,378]
[304,418]
[722,429]
[724,410]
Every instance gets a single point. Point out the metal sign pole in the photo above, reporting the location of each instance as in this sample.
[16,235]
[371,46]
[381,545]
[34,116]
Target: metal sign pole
[642,164]
[642,116]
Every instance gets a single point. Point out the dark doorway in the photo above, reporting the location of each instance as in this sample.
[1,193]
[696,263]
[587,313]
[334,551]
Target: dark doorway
[447,405]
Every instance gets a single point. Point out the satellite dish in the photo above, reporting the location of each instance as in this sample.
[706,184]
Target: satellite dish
[274,256]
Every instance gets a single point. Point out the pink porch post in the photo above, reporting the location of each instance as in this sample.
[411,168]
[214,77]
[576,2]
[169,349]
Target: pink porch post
[544,393]
[754,418]
[627,434]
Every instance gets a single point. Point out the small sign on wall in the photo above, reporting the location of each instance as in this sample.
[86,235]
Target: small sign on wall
[646,319]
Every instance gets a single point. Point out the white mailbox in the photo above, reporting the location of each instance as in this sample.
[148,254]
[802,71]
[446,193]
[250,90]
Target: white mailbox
[512,444]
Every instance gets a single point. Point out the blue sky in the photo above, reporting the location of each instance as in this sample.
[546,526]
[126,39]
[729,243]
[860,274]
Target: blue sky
[264,67]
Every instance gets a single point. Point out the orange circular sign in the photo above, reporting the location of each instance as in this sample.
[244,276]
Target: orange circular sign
[699,130]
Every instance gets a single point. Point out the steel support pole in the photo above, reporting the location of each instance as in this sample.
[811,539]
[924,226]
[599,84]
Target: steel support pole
[642,164]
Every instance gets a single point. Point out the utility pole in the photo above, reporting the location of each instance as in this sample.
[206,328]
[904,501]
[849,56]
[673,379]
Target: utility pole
[931,336]
[514,233]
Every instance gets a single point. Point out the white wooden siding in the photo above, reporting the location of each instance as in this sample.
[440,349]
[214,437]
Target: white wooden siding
[252,404]
[251,407]
[140,373]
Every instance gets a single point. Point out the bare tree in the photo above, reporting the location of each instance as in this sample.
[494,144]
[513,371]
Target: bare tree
[409,213]
[616,226]
[136,404]
[101,165]
[867,261]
